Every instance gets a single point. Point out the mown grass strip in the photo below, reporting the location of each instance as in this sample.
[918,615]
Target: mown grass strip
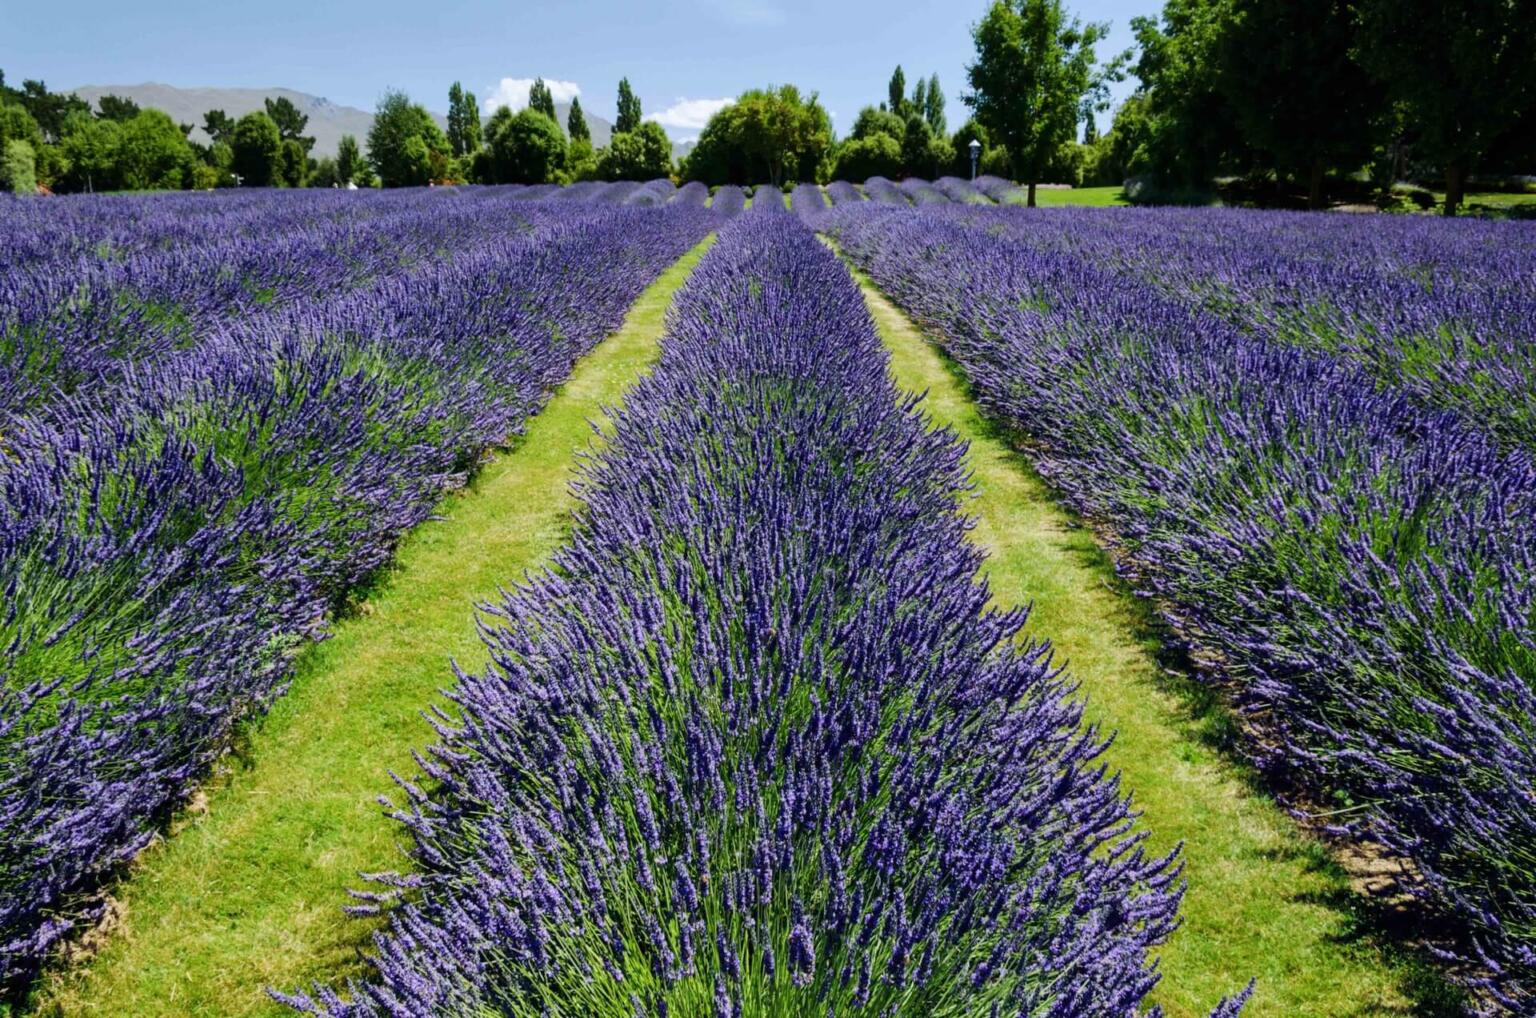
[1264,899]
[248,893]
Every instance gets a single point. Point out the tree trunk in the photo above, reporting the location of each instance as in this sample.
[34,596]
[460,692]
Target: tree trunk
[1455,184]
[1315,188]
[1031,194]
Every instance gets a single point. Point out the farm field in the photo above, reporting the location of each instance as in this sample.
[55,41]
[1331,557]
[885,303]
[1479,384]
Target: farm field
[959,607]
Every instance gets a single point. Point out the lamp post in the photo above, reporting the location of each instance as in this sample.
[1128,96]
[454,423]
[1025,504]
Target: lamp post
[975,147]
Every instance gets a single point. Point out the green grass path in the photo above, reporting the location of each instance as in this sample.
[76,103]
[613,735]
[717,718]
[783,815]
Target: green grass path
[249,893]
[1264,901]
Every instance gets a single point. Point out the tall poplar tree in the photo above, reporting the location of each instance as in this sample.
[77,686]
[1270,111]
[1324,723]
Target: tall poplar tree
[629,109]
[576,122]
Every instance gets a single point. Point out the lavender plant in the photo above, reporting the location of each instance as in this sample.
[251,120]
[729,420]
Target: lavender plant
[1365,568]
[755,745]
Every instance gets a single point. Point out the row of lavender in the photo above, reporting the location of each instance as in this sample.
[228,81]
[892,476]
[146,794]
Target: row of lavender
[1365,568]
[1443,311]
[163,551]
[755,745]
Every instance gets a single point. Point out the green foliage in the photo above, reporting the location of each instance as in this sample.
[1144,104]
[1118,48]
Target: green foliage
[258,150]
[290,122]
[960,147]
[1463,74]
[18,167]
[90,151]
[405,145]
[581,160]
[153,153]
[896,92]
[521,148]
[933,107]
[540,100]
[349,159]
[769,134]
[576,124]
[877,155]
[294,171]
[463,121]
[629,109]
[16,124]
[48,109]
[115,107]
[218,125]
[642,154]
[1035,68]
[872,121]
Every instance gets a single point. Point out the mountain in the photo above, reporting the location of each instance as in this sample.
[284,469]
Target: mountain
[328,121]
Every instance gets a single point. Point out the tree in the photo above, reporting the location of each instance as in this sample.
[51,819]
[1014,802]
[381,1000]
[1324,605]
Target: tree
[115,107]
[933,108]
[522,148]
[872,121]
[153,153]
[294,168]
[629,109]
[290,122]
[18,167]
[1033,68]
[896,92]
[404,140]
[90,151]
[258,150]
[463,121]
[1463,73]
[919,103]
[769,133]
[576,123]
[218,125]
[48,109]
[641,154]
[541,100]
[348,159]
[877,155]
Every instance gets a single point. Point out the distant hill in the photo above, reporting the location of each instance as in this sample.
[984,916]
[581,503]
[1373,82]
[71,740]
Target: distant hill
[327,120]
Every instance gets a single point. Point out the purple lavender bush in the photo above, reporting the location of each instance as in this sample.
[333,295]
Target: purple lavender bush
[808,203]
[882,191]
[841,192]
[755,744]
[728,201]
[167,543]
[1364,568]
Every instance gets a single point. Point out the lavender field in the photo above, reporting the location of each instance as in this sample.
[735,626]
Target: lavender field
[753,739]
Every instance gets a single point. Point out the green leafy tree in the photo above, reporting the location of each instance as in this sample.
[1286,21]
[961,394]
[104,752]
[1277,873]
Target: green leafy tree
[1298,96]
[90,149]
[1190,129]
[218,125]
[576,123]
[919,102]
[629,109]
[405,143]
[581,160]
[348,160]
[18,167]
[1034,67]
[290,121]
[641,154]
[522,148]
[48,109]
[463,121]
[153,153]
[872,121]
[541,100]
[933,108]
[876,155]
[771,133]
[257,149]
[295,164]
[915,144]
[896,92]
[16,124]
[1464,74]
[115,107]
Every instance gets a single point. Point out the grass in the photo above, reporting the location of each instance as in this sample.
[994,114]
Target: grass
[1098,197]
[248,893]
[1264,899]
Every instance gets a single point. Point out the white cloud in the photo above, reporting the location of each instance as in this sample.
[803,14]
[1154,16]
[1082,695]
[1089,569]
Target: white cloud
[513,92]
[689,114]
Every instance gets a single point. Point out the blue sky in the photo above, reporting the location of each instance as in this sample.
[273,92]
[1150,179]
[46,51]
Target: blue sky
[682,58]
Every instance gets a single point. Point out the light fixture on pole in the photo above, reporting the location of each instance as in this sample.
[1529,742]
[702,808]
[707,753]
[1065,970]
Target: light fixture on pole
[975,155]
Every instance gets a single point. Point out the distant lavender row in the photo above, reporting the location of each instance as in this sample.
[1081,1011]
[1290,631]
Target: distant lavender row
[728,201]
[1444,311]
[164,553]
[767,199]
[1366,569]
[808,203]
[755,745]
